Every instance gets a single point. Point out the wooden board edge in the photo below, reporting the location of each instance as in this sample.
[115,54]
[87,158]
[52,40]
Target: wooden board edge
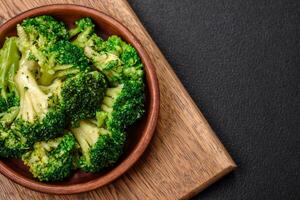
[214,179]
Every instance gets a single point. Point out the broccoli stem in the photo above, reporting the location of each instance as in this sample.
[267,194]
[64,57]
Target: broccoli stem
[107,104]
[23,38]
[33,102]
[110,98]
[49,74]
[114,92]
[8,66]
[86,134]
[74,31]
[51,88]
[100,60]
[83,37]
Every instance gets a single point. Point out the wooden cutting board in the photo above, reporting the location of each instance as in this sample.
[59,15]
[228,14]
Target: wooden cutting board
[184,157]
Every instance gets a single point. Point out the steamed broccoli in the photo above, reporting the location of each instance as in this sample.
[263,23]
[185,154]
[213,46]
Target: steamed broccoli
[82,25]
[52,160]
[52,79]
[82,94]
[114,57]
[100,147]
[40,32]
[102,139]
[131,65]
[85,34]
[44,110]
[9,63]
[46,39]
[122,105]
[37,115]
[13,143]
[60,60]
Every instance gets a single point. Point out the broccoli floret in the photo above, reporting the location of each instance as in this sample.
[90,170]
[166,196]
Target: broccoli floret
[82,95]
[114,57]
[52,160]
[102,139]
[122,105]
[100,148]
[46,39]
[86,36]
[9,63]
[40,32]
[118,60]
[38,116]
[108,63]
[59,61]
[7,117]
[82,25]
[13,143]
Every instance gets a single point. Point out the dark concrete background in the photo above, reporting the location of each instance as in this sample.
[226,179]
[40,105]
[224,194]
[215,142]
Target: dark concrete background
[240,61]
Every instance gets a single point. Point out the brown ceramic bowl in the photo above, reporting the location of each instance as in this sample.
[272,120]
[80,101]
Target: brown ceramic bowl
[139,135]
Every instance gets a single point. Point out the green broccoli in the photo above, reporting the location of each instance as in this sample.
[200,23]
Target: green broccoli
[9,63]
[102,139]
[52,79]
[117,60]
[60,60]
[13,143]
[52,160]
[122,105]
[82,94]
[40,32]
[45,110]
[114,57]
[100,148]
[37,116]
[46,39]
[85,34]
[82,25]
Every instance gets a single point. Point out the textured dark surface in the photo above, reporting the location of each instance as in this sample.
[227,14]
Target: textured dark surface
[240,61]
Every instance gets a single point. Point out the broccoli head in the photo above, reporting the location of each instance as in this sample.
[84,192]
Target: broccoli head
[82,95]
[13,143]
[100,148]
[40,32]
[9,63]
[86,36]
[118,60]
[52,160]
[45,110]
[60,60]
[82,25]
[38,116]
[122,105]
[46,39]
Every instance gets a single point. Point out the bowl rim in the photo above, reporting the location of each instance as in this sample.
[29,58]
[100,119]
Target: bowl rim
[150,126]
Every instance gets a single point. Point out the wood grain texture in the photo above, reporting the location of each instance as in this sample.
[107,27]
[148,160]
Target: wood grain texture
[184,156]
